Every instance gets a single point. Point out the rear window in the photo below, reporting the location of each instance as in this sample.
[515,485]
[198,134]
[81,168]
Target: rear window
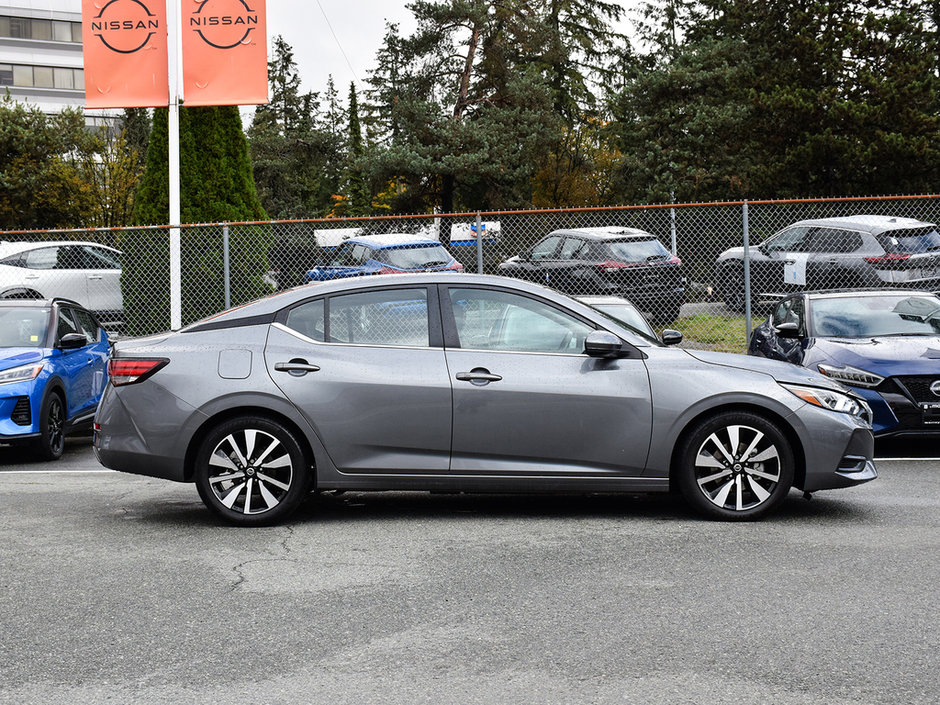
[415,256]
[637,250]
[911,242]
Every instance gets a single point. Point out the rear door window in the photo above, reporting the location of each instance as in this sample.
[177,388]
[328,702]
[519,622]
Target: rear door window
[573,248]
[387,317]
[833,240]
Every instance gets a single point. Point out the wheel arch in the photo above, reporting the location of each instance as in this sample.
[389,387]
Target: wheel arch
[228,414]
[799,456]
[20,292]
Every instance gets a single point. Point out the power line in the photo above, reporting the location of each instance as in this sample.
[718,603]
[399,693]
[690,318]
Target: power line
[336,39]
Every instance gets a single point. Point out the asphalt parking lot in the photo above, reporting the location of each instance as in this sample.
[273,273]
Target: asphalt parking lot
[116,588]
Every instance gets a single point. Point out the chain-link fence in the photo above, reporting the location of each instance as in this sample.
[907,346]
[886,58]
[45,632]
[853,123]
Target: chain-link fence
[697,268]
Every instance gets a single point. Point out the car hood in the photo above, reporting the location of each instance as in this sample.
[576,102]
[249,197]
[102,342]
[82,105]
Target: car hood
[886,355]
[780,371]
[14,357]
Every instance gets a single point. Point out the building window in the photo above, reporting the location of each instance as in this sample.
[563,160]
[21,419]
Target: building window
[47,30]
[41,77]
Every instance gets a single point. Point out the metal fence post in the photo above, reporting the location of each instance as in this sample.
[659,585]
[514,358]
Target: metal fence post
[226,267]
[747,280]
[672,223]
[479,245]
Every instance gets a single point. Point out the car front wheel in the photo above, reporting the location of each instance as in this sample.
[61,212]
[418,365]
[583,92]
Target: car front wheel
[735,466]
[51,442]
[252,471]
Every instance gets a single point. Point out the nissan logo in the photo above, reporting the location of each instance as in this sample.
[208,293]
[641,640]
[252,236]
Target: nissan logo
[935,387]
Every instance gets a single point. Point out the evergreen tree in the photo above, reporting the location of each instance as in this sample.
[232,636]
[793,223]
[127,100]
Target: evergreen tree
[216,186]
[42,182]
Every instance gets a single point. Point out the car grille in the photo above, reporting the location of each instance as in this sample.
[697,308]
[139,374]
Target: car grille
[918,388]
[22,416]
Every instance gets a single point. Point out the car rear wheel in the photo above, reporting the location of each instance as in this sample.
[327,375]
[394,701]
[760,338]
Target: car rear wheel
[731,286]
[735,466]
[252,471]
[51,441]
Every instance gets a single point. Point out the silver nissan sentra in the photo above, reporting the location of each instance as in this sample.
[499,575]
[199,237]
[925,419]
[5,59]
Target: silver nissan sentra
[472,383]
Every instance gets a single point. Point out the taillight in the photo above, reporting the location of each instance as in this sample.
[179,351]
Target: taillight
[888,258]
[609,266]
[126,371]
[673,260]
[387,270]
[456,267]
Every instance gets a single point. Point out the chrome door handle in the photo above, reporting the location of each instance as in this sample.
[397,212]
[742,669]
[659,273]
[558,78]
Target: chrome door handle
[94,276]
[296,368]
[478,377]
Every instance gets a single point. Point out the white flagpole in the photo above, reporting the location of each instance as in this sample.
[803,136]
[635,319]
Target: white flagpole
[175,51]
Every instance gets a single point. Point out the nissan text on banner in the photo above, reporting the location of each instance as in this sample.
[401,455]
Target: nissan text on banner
[124,43]
[225,56]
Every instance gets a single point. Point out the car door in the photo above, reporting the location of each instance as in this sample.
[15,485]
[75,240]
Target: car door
[536,266]
[102,278]
[783,265]
[834,259]
[367,370]
[569,272]
[79,368]
[526,398]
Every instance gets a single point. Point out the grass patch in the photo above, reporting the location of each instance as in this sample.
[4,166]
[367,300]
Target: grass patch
[705,331]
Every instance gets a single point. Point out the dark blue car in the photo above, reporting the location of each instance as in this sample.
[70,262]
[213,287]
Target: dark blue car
[53,369]
[393,253]
[885,344]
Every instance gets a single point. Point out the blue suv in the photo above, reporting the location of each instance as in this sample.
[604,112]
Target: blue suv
[392,253]
[53,370]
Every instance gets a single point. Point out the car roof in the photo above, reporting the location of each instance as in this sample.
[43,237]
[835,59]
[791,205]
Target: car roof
[8,247]
[391,240]
[848,293]
[37,303]
[608,232]
[289,297]
[601,300]
[874,224]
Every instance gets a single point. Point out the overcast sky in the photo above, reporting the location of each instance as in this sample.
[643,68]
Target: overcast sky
[347,51]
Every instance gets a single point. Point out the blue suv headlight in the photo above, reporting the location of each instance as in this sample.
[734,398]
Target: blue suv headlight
[24,373]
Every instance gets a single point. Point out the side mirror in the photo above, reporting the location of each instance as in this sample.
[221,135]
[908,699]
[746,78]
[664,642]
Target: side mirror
[671,337]
[601,343]
[72,341]
[787,330]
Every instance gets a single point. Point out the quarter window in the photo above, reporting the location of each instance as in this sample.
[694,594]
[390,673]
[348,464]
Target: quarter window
[308,319]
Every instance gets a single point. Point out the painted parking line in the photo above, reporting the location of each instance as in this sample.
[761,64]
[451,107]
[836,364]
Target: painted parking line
[52,472]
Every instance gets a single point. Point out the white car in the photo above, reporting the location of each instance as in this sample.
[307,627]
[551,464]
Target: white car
[85,272]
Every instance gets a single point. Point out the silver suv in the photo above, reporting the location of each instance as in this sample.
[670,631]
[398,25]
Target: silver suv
[850,252]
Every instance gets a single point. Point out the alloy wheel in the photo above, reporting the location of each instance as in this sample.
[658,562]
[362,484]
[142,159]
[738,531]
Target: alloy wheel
[737,468]
[250,471]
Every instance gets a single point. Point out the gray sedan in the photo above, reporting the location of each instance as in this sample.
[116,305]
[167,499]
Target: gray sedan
[423,382]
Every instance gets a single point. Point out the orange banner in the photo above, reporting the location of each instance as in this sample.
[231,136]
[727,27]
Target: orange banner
[124,43]
[225,52]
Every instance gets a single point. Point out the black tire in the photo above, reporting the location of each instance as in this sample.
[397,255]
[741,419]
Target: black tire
[735,466]
[252,471]
[731,285]
[51,441]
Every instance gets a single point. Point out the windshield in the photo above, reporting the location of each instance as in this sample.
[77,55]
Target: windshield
[638,250]
[23,327]
[869,316]
[912,242]
[415,256]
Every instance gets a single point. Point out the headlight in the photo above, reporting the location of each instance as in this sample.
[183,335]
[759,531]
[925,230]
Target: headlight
[20,374]
[851,375]
[829,399]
